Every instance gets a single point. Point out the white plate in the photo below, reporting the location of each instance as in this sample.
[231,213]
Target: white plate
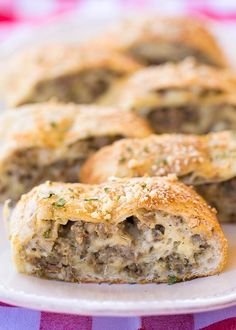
[202,294]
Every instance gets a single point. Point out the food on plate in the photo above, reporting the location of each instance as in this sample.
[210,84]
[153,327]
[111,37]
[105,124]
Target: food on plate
[206,162]
[49,141]
[66,73]
[156,40]
[182,98]
[127,231]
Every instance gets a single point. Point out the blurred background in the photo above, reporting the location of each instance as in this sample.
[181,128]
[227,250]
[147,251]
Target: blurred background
[24,22]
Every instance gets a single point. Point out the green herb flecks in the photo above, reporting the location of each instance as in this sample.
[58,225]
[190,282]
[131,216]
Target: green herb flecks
[129,149]
[161,162]
[106,190]
[172,279]
[91,199]
[47,233]
[60,202]
[122,159]
[53,124]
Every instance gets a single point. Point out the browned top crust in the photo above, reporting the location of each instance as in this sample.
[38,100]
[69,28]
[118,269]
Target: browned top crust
[143,86]
[57,125]
[188,31]
[110,202]
[207,158]
[52,61]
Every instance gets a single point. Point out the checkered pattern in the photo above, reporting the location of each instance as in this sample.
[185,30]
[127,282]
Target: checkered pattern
[15,318]
[15,13]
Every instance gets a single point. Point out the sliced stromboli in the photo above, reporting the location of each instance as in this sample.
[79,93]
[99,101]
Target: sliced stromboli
[137,230]
[64,72]
[182,98]
[206,162]
[49,141]
[158,40]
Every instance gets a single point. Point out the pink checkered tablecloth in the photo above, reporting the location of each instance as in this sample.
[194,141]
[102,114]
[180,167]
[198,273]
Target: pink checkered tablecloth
[15,318]
[17,14]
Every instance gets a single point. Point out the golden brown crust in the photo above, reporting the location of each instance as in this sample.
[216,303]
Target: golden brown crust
[141,88]
[52,61]
[57,125]
[111,202]
[208,158]
[185,31]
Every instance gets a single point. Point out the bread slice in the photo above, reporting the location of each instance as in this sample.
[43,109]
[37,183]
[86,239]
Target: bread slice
[207,162]
[181,98]
[156,40]
[127,231]
[66,73]
[50,141]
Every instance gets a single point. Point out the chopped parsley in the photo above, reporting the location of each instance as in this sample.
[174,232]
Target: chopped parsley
[106,189]
[47,233]
[53,124]
[172,279]
[129,149]
[143,185]
[117,197]
[60,202]
[122,159]
[91,199]
[160,162]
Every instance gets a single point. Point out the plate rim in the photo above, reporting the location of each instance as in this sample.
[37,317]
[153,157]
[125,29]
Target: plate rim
[109,307]
[121,308]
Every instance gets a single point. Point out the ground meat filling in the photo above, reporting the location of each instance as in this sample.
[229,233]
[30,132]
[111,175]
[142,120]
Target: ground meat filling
[26,170]
[192,119]
[154,54]
[174,119]
[84,88]
[222,196]
[131,250]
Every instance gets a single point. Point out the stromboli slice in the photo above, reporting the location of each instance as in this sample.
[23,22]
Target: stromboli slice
[66,73]
[207,162]
[127,231]
[155,40]
[49,141]
[182,98]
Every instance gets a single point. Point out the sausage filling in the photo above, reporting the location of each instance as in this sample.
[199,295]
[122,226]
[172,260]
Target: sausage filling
[161,52]
[192,119]
[27,168]
[160,246]
[85,87]
[222,196]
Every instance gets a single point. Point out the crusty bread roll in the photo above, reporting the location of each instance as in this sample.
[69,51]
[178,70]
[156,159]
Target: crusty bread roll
[207,162]
[66,73]
[180,98]
[49,141]
[128,231]
[155,40]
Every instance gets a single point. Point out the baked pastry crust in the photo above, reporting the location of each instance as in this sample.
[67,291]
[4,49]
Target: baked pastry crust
[41,136]
[196,160]
[185,90]
[109,204]
[51,62]
[141,37]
